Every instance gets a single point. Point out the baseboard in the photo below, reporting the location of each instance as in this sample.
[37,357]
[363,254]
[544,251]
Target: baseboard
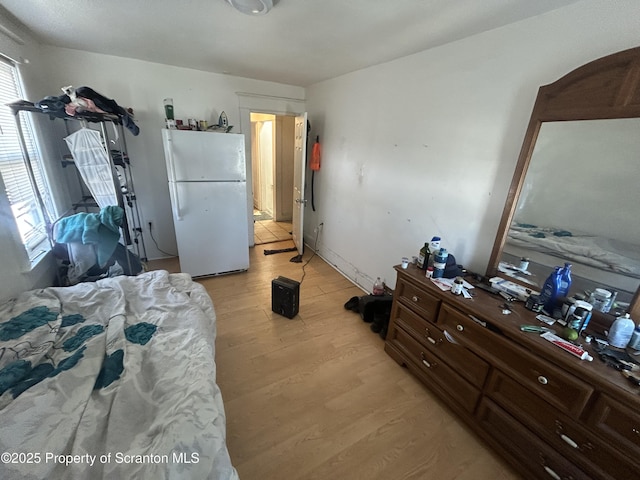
[341,266]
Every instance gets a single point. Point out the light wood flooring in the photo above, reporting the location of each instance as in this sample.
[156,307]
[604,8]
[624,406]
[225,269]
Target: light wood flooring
[316,397]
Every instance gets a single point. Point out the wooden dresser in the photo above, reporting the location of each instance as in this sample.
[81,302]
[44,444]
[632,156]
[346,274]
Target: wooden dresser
[550,414]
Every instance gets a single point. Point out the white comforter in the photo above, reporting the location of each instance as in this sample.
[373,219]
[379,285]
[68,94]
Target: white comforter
[114,379]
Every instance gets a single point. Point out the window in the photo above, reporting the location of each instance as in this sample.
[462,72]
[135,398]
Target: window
[25,206]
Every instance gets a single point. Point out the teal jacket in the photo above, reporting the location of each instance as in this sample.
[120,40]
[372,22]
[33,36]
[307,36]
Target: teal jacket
[99,229]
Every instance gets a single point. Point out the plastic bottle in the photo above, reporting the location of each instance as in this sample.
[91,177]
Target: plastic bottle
[565,281]
[599,298]
[439,263]
[580,317]
[378,287]
[634,343]
[457,287]
[423,257]
[168,108]
[621,331]
[550,290]
[434,247]
[611,303]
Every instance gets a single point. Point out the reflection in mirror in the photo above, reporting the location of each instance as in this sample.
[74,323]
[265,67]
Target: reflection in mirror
[578,204]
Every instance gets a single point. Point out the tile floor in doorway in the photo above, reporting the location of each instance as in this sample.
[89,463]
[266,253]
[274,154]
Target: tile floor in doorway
[267,231]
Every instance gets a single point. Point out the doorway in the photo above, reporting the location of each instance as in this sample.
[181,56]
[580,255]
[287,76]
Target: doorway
[272,151]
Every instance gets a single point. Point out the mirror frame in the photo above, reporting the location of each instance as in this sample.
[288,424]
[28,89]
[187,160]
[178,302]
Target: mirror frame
[606,88]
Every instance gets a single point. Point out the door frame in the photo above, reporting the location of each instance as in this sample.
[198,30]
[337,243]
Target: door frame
[256,103]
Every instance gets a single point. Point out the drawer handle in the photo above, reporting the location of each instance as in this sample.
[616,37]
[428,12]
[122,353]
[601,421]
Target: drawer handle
[551,473]
[478,321]
[568,441]
[415,298]
[449,338]
[459,327]
[427,335]
[425,362]
[542,380]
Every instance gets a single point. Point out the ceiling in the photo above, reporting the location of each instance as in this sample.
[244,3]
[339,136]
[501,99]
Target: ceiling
[300,42]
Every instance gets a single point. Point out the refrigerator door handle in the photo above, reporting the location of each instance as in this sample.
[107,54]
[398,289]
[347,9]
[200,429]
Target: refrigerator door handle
[176,201]
[172,168]
[172,180]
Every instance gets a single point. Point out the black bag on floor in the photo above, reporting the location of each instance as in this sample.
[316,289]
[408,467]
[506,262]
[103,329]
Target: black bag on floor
[371,306]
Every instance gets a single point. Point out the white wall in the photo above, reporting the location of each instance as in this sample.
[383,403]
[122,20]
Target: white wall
[427,144]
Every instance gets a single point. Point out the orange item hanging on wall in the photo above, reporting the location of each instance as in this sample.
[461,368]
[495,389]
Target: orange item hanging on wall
[315,155]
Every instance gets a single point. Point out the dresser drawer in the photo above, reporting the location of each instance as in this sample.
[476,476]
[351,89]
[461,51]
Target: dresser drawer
[421,302]
[565,392]
[466,363]
[477,334]
[618,423]
[535,457]
[433,370]
[565,435]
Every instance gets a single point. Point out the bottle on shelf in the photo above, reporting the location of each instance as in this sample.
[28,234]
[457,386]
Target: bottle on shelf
[168,108]
[439,263]
[634,343]
[429,273]
[621,332]
[378,287]
[611,303]
[423,257]
[458,286]
[434,247]
[565,280]
[549,293]
[600,298]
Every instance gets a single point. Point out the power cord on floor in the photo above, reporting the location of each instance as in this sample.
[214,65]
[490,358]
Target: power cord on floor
[315,248]
[156,243]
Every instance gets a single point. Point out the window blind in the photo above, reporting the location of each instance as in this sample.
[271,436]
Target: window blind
[26,210]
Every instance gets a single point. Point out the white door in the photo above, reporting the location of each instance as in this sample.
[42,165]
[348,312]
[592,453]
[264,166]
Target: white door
[299,166]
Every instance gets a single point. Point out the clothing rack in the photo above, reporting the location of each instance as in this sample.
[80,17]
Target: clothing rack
[131,227]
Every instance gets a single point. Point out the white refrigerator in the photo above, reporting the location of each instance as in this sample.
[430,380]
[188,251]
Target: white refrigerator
[208,189]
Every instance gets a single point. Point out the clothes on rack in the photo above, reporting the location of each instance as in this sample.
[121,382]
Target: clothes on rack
[94,165]
[102,230]
[105,170]
[85,99]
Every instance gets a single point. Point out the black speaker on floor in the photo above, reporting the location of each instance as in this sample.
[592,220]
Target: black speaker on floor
[285,296]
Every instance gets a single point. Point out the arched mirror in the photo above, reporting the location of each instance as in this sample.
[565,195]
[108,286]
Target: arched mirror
[575,193]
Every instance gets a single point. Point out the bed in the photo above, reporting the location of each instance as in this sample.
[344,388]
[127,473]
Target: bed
[600,252]
[112,379]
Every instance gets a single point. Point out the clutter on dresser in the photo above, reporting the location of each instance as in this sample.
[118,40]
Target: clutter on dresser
[427,253]
[514,380]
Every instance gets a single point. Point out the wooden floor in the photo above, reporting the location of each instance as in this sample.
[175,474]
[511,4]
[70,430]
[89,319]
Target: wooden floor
[316,397]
